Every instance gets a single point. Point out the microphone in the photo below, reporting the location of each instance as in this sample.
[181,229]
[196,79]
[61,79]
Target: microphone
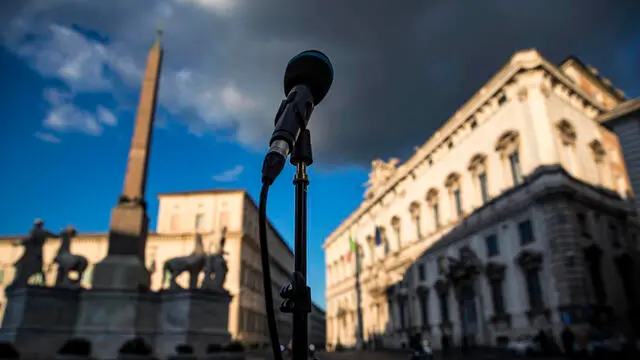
[307,80]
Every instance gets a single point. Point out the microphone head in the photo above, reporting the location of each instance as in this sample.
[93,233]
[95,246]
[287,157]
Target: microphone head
[311,68]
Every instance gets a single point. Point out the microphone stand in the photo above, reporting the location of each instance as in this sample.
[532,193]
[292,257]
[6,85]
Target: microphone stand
[298,295]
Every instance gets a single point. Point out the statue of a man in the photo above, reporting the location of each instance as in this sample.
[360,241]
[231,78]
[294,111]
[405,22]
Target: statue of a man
[31,261]
[215,272]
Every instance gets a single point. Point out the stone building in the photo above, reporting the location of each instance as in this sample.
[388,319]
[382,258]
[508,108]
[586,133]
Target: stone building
[317,327]
[180,217]
[515,216]
[624,120]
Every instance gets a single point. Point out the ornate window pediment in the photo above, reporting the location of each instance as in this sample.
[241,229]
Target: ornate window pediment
[495,271]
[478,163]
[599,153]
[529,259]
[441,286]
[432,196]
[508,142]
[567,132]
[414,210]
[453,181]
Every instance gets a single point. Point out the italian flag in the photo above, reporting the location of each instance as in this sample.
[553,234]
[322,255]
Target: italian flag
[353,247]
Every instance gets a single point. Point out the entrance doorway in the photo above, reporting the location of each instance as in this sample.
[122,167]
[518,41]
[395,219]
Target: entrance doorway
[469,315]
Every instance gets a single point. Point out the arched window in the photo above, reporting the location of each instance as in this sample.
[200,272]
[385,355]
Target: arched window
[478,169]
[453,185]
[599,157]
[508,145]
[414,210]
[567,135]
[432,201]
[382,239]
[395,225]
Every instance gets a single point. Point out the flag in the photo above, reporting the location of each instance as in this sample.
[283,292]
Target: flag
[378,236]
[353,246]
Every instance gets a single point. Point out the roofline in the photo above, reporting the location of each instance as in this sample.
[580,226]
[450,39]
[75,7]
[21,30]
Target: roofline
[183,193]
[617,94]
[626,109]
[502,77]
[200,192]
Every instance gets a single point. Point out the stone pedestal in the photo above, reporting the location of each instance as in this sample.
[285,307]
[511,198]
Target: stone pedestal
[39,315]
[124,266]
[193,317]
[108,318]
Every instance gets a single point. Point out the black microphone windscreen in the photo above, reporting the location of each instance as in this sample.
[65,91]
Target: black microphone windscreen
[311,68]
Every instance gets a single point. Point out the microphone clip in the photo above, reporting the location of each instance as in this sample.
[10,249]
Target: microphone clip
[296,295]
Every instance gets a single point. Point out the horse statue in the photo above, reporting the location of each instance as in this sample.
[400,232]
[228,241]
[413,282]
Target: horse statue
[193,263]
[215,270]
[68,262]
[30,263]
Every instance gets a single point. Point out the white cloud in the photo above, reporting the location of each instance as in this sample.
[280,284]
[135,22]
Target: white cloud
[230,175]
[63,53]
[217,6]
[105,116]
[68,118]
[46,137]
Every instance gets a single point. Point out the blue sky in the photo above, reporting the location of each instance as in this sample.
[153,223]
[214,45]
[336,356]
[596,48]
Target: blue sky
[75,178]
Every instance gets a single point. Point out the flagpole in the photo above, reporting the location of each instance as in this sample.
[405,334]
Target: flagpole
[359,337]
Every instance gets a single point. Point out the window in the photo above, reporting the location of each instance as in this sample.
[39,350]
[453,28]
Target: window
[444,307]
[613,236]
[492,245]
[175,223]
[441,265]
[224,219]
[482,181]
[436,215]
[497,296]
[458,199]
[533,289]
[583,225]
[450,144]
[199,220]
[474,123]
[502,99]
[424,310]
[526,232]
[430,161]
[516,173]
[421,273]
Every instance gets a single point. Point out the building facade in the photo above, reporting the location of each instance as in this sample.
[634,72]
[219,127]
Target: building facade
[514,216]
[624,121]
[181,216]
[317,327]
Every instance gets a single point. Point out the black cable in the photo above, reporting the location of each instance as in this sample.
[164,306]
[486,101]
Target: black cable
[266,272]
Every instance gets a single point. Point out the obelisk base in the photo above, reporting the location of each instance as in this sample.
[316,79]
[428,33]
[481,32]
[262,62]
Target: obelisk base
[121,272]
[124,268]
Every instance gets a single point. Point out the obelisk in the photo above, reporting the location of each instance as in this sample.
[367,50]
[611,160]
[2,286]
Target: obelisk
[124,266]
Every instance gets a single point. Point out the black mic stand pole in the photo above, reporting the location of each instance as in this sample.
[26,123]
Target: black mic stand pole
[301,157]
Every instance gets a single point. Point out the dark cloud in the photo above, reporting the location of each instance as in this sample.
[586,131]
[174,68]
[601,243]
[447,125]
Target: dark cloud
[402,68]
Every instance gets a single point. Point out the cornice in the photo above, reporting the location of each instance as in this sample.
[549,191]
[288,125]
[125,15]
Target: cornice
[519,63]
